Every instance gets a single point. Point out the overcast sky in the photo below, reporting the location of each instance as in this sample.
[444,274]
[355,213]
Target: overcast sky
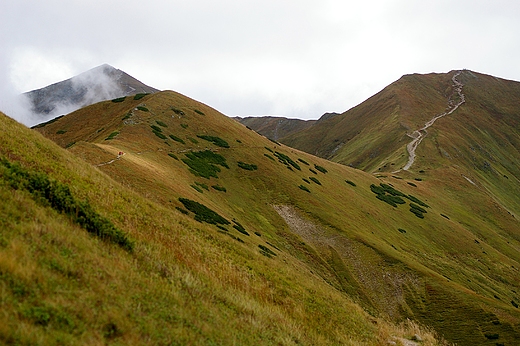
[250,57]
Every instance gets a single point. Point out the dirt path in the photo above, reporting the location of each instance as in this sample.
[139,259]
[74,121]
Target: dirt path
[111,161]
[418,135]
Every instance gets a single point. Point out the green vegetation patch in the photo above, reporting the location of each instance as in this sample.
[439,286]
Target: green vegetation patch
[204,186]
[119,99]
[215,140]
[142,108]
[127,116]
[204,163]
[304,188]
[173,156]
[219,188]
[198,189]
[156,128]
[140,96]
[198,112]
[112,135]
[159,134]
[193,140]
[350,182]
[177,111]
[269,157]
[320,168]
[47,122]
[203,213]
[286,160]
[315,180]
[160,123]
[240,228]
[247,166]
[184,126]
[304,162]
[58,196]
[264,250]
[60,132]
[177,139]
[383,195]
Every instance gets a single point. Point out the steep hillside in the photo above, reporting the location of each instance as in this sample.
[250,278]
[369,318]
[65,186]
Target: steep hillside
[98,84]
[400,245]
[275,127]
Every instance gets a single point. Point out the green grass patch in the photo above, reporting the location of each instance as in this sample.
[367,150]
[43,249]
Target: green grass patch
[215,140]
[204,163]
[119,99]
[160,123]
[112,135]
[247,166]
[203,213]
[315,180]
[177,139]
[58,196]
[320,168]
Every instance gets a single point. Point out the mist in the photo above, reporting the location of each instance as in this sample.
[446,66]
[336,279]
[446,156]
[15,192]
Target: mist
[34,107]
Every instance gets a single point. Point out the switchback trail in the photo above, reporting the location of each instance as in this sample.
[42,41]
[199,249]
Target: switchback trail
[418,135]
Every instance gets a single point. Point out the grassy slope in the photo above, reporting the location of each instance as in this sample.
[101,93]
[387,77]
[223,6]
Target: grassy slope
[184,283]
[355,247]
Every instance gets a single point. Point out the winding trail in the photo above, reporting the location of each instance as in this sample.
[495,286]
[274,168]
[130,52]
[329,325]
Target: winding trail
[111,161]
[418,135]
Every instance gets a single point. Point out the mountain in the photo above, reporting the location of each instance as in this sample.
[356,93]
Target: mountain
[281,246]
[98,84]
[275,127]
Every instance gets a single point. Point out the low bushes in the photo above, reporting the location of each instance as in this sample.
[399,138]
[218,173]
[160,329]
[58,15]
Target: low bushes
[215,140]
[350,182]
[112,135]
[203,163]
[264,250]
[304,188]
[198,112]
[219,188]
[203,213]
[140,96]
[160,123]
[320,168]
[142,108]
[119,99]
[247,166]
[58,196]
[240,228]
[315,180]
[286,160]
[177,139]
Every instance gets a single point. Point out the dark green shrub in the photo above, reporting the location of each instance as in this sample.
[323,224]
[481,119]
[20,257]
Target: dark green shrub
[315,180]
[203,163]
[264,250]
[173,155]
[304,162]
[119,99]
[415,206]
[271,150]
[514,304]
[160,135]
[305,180]
[411,184]
[445,216]
[215,140]
[417,213]
[178,112]
[160,123]
[247,166]
[286,160]
[219,188]
[198,112]
[389,189]
[193,140]
[184,126]
[418,179]
[350,182]
[320,168]
[177,139]
[313,171]
[304,188]
[184,211]
[127,116]
[58,197]
[491,336]
[203,213]
[142,108]
[269,157]
[60,132]
[417,200]
[258,233]
[204,186]
[401,230]
[156,128]
[238,141]
[112,135]
[240,228]
[197,188]
[140,96]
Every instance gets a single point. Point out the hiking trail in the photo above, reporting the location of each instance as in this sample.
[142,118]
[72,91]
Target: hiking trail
[418,135]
